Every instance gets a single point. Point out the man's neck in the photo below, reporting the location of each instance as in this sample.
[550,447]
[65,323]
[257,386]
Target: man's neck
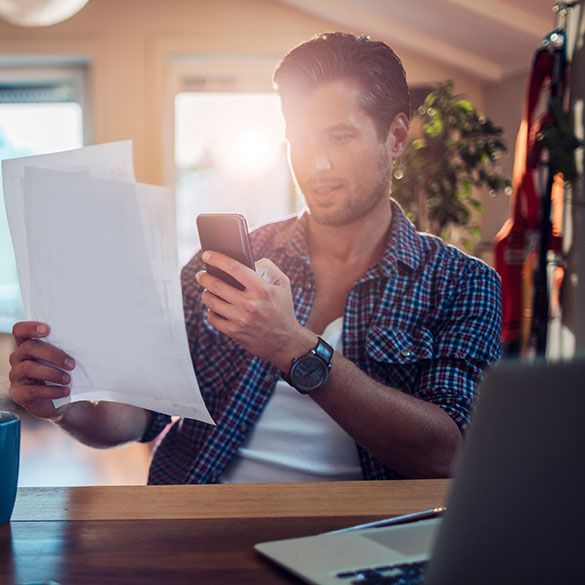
[362,241]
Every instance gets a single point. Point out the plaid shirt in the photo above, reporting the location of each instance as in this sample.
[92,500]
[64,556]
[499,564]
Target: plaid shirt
[425,319]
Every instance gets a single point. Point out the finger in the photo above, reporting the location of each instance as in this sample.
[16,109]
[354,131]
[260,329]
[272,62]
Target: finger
[218,287]
[237,270]
[270,272]
[25,394]
[26,329]
[31,370]
[34,349]
[219,322]
[218,305]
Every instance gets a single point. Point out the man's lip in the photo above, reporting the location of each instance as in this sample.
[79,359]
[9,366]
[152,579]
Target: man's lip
[323,189]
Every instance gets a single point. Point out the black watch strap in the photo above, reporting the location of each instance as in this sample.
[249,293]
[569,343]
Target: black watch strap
[324,351]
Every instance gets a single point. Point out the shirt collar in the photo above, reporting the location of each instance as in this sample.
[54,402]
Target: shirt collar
[403,243]
[293,237]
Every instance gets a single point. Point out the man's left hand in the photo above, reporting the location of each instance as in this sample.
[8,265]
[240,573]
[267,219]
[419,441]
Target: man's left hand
[260,318]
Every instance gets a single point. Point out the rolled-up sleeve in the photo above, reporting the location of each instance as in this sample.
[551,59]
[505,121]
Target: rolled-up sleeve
[467,341]
[157,425]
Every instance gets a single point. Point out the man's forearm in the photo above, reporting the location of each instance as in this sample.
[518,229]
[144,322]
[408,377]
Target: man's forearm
[415,438]
[104,424]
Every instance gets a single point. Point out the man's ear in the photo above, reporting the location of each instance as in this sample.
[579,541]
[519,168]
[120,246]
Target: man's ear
[398,135]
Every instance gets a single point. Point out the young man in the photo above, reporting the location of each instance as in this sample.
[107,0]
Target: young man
[384,332]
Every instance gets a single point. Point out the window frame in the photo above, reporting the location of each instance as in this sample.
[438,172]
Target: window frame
[31,71]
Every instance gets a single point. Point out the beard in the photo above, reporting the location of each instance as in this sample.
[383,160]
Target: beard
[357,205]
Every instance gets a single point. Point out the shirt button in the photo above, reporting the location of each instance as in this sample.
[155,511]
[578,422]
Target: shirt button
[308,285]
[268,378]
[244,427]
[405,353]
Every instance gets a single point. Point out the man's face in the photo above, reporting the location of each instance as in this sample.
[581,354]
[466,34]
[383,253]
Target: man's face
[341,166]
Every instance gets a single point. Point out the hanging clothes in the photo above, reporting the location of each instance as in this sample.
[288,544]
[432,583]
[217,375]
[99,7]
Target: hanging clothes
[544,147]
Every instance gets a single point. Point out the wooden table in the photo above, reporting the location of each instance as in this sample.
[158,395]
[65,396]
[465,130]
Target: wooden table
[184,534]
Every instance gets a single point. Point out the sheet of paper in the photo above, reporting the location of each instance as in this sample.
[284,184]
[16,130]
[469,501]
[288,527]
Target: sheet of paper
[103,272]
[112,160]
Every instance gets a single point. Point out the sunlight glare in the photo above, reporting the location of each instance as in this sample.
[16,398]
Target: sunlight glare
[250,152]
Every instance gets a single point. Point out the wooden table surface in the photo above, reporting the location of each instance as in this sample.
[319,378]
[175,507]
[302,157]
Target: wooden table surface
[185,534]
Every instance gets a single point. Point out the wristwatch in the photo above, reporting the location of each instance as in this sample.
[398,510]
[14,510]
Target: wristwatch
[309,372]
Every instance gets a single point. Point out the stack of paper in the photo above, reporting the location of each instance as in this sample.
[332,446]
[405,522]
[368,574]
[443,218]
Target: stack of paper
[96,258]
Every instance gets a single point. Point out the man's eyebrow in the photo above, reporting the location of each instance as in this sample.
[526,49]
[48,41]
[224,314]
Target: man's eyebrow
[340,127]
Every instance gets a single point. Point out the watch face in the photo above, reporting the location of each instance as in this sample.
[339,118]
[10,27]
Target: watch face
[309,373]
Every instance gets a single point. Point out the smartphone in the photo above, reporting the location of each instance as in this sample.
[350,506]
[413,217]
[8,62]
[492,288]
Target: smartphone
[226,233]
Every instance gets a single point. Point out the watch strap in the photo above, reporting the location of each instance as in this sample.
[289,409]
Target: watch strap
[324,351]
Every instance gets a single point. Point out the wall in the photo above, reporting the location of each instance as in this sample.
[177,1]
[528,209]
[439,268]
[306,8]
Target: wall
[505,103]
[129,43]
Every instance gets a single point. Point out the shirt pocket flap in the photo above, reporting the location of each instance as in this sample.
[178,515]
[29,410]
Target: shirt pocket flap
[390,344]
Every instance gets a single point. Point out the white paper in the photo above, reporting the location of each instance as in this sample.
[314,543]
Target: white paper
[102,271]
[112,160]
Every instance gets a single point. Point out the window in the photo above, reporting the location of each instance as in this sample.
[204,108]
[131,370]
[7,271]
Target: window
[41,110]
[230,156]
[229,147]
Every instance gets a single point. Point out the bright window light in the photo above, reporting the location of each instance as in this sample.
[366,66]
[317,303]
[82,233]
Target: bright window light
[27,129]
[230,156]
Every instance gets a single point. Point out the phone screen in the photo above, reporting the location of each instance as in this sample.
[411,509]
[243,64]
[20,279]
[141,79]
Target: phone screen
[226,233]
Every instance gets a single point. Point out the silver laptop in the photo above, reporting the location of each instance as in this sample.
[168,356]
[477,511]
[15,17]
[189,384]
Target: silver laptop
[516,511]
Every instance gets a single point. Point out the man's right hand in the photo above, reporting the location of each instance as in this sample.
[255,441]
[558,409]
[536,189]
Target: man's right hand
[97,424]
[29,378]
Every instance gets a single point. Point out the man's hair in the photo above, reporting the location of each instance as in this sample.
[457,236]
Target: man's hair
[332,56]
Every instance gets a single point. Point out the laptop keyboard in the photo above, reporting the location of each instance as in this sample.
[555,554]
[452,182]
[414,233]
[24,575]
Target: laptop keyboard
[403,574]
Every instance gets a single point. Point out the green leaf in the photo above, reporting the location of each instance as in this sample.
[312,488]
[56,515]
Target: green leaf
[475,232]
[429,100]
[465,105]
[434,128]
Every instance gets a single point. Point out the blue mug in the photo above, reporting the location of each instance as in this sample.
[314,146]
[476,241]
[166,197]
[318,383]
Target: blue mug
[9,458]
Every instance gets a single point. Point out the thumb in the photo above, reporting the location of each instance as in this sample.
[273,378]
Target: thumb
[270,272]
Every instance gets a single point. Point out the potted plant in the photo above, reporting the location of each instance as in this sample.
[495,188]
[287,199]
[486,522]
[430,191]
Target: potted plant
[452,152]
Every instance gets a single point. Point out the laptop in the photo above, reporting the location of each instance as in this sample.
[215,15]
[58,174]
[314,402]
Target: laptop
[515,513]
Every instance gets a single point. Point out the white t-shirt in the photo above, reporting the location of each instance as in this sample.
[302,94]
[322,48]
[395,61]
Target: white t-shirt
[295,439]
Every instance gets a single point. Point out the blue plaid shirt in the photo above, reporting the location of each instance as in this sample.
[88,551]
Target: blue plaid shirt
[425,319]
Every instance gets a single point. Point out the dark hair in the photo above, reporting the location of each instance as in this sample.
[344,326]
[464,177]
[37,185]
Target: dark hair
[331,56]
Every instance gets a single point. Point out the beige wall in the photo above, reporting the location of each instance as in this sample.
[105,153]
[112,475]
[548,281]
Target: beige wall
[504,105]
[129,42]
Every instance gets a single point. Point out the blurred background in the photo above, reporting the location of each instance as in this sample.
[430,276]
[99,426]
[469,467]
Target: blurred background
[189,81]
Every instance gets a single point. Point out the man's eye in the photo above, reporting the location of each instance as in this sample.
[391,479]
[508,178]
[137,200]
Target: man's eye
[340,138]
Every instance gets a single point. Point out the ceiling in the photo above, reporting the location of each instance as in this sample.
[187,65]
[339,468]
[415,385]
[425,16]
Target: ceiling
[490,39]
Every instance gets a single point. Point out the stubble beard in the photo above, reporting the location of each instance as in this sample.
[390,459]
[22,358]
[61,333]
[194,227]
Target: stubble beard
[358,206]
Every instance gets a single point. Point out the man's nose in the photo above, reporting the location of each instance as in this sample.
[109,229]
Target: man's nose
[322,163]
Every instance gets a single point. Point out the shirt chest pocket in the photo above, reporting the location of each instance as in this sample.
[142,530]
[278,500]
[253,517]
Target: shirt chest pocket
[389,344]
[393,355]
